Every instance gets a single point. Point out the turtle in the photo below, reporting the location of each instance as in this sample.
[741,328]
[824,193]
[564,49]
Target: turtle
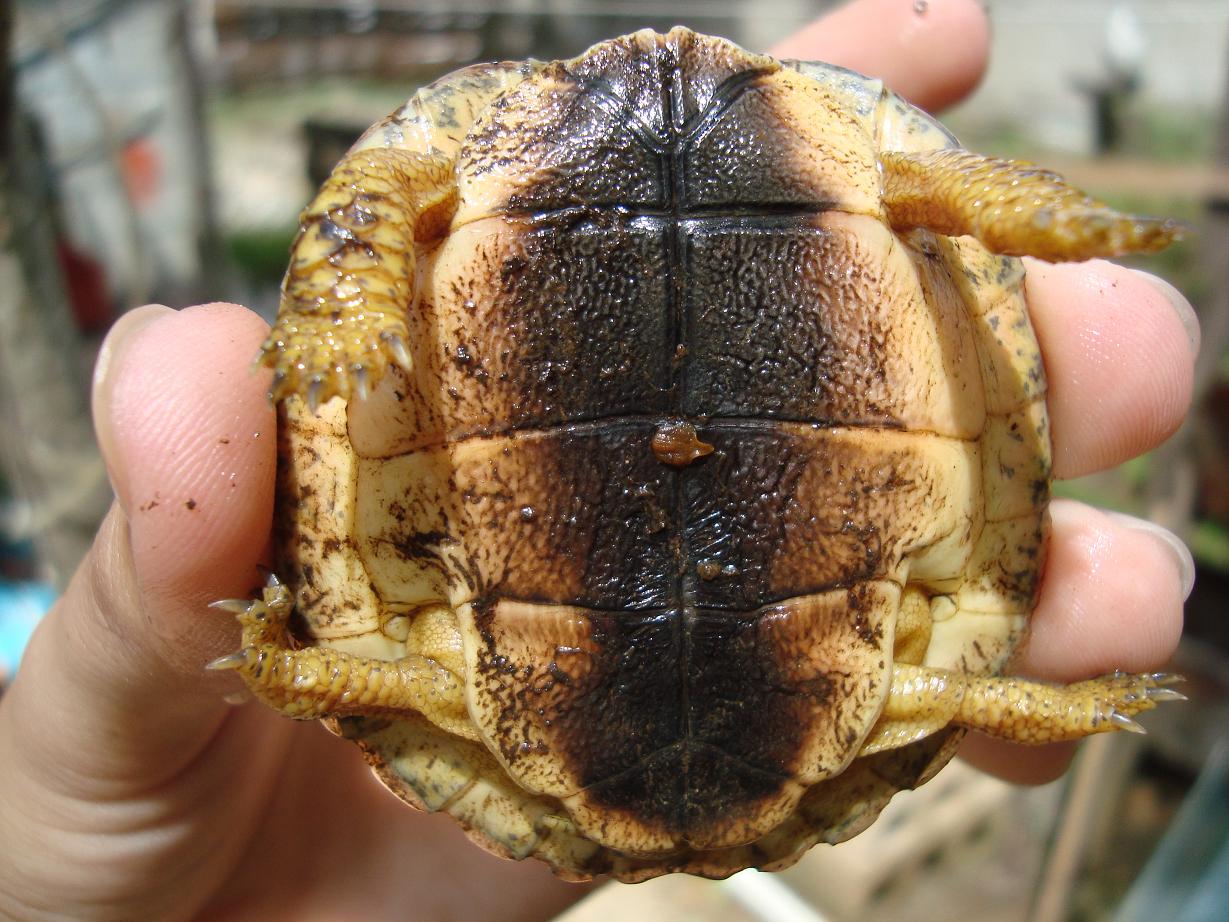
[663,456]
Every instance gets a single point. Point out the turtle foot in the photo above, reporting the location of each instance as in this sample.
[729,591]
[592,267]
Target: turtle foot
[1120,696]
[923,700]
[352,278]
[263,620]
[1013,208]
[317,361]
[316,681]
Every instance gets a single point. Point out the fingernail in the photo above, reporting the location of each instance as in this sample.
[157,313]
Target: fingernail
[1186,562]
[1182,307]
[107,370]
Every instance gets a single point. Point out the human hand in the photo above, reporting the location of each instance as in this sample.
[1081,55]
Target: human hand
[130,789]
[1119,349]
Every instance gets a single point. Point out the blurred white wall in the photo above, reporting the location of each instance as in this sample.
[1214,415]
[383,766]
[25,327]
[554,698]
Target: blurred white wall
[1043,50]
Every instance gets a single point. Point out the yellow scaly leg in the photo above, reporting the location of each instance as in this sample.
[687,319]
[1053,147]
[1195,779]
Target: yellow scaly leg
[315,682]
[923,700]
[352,270]
[1014,208]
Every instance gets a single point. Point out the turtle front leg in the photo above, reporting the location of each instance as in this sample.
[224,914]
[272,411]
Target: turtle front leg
[923,700]
[314,682]
[351,279]
[1012,207]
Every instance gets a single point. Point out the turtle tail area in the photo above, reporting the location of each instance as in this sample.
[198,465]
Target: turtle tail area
[437,772]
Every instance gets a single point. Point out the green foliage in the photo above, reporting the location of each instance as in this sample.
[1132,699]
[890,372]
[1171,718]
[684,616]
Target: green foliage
[261,253]
[1169,136]
[1209,542]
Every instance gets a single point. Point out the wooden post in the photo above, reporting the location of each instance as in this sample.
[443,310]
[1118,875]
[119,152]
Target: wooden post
[1171,491]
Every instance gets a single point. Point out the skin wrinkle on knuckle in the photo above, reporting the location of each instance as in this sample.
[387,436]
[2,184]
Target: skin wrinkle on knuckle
[62,793]
[114,635]
[112,595]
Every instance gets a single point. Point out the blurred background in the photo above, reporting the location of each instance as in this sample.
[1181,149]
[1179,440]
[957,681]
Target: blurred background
[161,151]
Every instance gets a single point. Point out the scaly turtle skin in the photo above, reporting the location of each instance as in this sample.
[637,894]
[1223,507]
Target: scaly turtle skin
[664,457]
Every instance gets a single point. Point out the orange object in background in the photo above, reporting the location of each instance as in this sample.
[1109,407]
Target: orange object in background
[141,166]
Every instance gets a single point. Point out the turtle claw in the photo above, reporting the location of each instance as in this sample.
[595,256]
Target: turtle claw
[1165,678]
[277,387]
[234,606]
[1165,694]
[262,620]
[236,660]
[317,377]
[1123,696]
[314,391]
[1123,722]
[397,351]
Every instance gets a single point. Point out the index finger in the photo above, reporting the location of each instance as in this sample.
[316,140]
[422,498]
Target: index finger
[1119,349]
[932,52]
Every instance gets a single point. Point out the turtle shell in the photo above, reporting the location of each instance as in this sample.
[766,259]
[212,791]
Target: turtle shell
[689,427]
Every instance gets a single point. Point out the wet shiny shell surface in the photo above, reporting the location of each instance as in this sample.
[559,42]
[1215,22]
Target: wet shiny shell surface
[687,421]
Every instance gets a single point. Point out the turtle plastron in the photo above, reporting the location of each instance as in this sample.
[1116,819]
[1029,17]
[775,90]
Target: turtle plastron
[686,477]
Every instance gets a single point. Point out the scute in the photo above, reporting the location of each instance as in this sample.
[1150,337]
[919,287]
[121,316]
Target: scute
[633,67]
[685,742]
[863,332]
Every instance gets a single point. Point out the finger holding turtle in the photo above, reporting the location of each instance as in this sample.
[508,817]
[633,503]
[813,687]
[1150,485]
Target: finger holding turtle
[903,53]
[1114,585]
[1120,348]
[127,780]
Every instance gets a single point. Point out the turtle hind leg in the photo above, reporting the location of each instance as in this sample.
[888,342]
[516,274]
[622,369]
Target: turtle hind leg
[923,700]
[1012,207]
[352,274]
[314,682]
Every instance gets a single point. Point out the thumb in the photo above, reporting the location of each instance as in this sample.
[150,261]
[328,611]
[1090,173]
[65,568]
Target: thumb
[189,440]
[111,690]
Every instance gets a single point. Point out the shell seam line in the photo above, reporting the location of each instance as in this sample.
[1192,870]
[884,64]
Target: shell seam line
[841,585]
[651,421]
